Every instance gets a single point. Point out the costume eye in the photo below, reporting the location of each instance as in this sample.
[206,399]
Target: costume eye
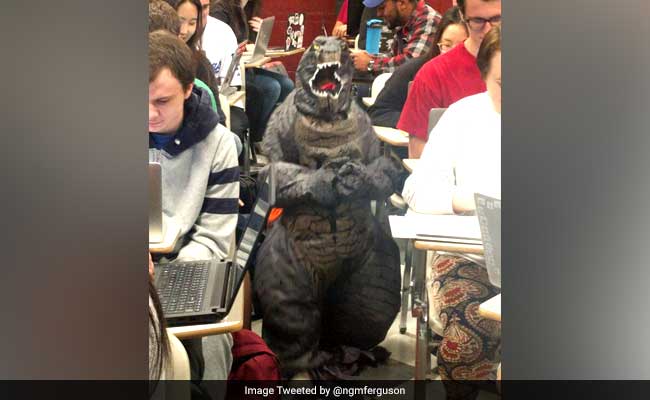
[316,46]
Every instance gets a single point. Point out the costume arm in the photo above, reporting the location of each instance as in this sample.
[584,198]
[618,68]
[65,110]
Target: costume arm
[294,183]
[374,177]
[214,229]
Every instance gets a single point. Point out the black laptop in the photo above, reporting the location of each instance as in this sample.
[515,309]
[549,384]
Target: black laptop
[203,292]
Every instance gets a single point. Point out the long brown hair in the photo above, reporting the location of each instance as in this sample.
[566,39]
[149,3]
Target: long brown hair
[238,18]
[160,343]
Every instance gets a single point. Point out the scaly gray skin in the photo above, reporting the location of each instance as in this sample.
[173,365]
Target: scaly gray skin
[328,166]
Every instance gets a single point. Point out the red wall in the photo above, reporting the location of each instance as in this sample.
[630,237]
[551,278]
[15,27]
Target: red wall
[440,5]
[317,13]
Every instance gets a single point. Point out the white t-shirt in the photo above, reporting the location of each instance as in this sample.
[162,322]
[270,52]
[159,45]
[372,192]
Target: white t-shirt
[220,44]
[464,151]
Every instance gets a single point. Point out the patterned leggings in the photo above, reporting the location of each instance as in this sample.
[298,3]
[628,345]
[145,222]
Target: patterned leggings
[471,345]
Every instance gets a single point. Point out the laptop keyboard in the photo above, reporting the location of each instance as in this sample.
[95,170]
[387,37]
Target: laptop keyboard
[181,287]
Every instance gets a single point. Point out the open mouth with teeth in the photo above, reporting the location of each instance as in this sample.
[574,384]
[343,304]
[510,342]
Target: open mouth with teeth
[325,81]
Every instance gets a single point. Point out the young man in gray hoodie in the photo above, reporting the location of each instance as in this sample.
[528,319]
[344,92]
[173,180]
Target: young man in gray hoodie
[200,174]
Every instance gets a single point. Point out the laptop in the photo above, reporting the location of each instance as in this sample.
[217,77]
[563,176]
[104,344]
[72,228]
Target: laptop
[488,210]
[156,232]
[203,292]
[225,88]
[262,40]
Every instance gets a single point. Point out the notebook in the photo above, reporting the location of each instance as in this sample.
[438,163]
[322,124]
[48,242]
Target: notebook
[488,210]
[262,40]
[156,229]
[202,292]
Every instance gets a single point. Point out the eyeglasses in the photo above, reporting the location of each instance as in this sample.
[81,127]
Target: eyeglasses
[445,47]
[477,23]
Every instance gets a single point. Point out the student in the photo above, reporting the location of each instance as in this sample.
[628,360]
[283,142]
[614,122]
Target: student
[414,22]
[266,88]
[463,157]
[388,105]
[162,16]
[219,43]
[200,171]
[191,18]
[450,77]
[200,175]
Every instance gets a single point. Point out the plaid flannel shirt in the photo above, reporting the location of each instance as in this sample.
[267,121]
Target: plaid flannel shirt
[417,36]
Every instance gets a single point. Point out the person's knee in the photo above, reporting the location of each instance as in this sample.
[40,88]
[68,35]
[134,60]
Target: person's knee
[286,86]
[219,355]
[273,90]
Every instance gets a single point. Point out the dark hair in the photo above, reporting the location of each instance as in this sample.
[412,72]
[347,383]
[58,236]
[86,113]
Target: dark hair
[195,40]
[451,17]
[461,4]
[163,16]
[160,345]
[237,18]
[168,51]
[490,45]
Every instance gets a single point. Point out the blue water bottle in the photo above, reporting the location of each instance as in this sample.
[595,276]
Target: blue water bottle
[373,35]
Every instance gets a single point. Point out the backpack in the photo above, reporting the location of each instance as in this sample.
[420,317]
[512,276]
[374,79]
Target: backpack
[252,360]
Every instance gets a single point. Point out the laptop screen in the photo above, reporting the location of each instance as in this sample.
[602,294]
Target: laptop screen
[255,225]
[155,203]
[263,37]
[488,210]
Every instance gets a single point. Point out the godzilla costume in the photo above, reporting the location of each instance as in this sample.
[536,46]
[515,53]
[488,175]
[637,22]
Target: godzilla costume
[327,274]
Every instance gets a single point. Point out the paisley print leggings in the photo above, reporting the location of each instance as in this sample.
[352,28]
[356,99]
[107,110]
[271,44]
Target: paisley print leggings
[471,345]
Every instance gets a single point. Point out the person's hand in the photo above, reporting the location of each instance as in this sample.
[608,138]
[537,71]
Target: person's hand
[361,59]
[255,23]
[151,271]
[340,30]
[241,47]
[463,201]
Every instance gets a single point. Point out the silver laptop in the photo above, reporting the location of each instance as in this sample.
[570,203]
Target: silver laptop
[156,232]
[225,88]
[262,41]
[488,210]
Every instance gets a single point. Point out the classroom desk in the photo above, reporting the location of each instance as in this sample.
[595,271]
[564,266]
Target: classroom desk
[491,309]
[392,136]
[420,308]
[257,63]
[236,97]
[232,322]
[172,231]
[284,53]
[410,163]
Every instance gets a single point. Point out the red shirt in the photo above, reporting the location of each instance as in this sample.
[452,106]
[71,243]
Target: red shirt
[439,83]
[343,13]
